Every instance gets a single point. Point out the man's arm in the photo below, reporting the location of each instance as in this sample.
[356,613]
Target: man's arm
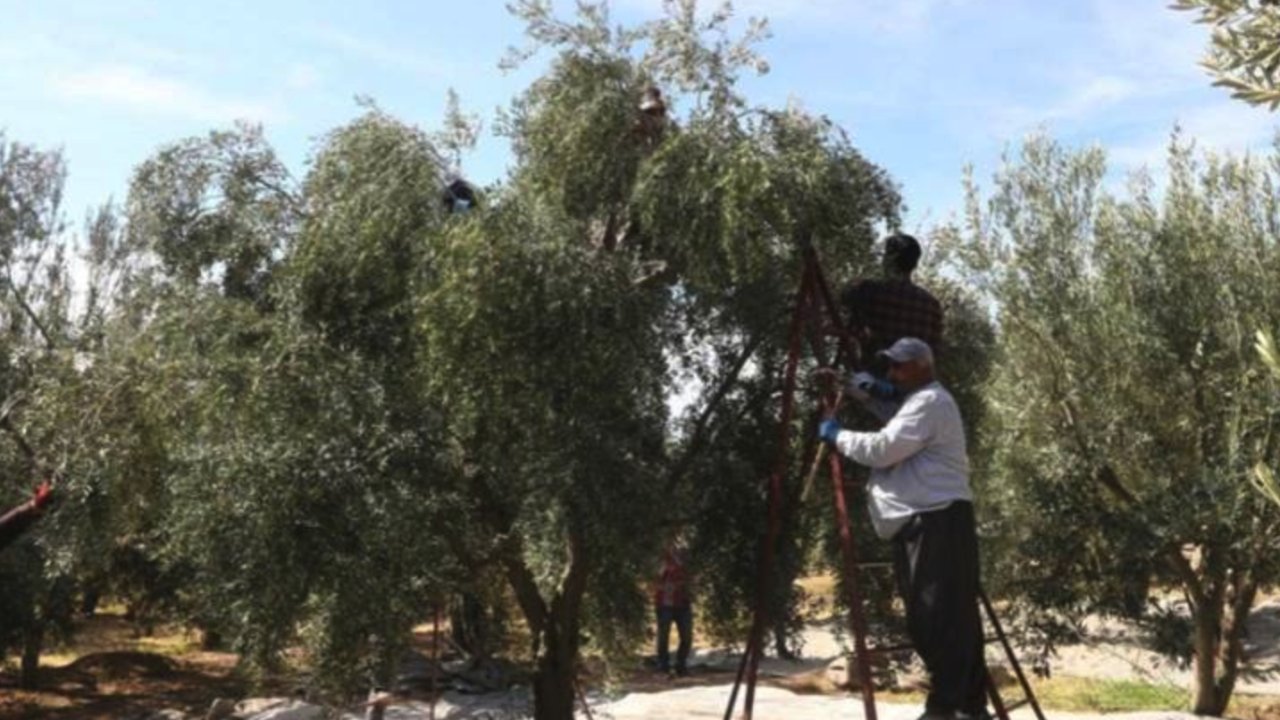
[16,521]
[905,435]
[882,410]
[878,397]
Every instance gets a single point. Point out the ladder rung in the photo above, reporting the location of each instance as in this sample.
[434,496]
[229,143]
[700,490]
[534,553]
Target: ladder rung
[891,648]
[990,639]
[1015,705]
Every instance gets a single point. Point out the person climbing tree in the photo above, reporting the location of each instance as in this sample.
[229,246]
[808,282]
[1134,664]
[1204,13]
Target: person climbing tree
[882,311]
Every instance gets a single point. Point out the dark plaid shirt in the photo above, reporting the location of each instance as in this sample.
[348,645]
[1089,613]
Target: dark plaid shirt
[890,310]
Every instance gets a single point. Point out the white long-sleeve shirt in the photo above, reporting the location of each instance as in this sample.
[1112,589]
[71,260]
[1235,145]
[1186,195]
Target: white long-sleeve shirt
[918,460]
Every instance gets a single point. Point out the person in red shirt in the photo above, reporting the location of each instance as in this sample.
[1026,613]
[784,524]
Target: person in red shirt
[672,604]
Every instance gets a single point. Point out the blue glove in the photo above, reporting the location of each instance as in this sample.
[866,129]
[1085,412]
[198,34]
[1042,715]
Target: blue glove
[829,429]
[877,388]
[883,390]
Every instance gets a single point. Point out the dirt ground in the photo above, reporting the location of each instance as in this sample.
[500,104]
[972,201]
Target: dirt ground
[111,672]
[1113,649]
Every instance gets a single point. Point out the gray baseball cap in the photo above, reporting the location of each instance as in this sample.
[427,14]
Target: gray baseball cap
[908,349]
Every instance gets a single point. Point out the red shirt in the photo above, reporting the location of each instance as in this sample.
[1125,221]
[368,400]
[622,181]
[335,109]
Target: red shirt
[672,588]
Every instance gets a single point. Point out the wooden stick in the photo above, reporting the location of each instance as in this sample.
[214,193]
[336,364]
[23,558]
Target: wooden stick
[820,454]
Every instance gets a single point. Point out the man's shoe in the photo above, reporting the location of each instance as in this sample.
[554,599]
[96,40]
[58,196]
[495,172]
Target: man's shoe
[935,715]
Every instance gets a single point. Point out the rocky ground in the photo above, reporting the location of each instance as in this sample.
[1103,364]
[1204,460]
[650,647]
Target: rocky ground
[687,703]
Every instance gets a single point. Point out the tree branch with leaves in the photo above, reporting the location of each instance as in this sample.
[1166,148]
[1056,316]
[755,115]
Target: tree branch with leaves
[1244,50]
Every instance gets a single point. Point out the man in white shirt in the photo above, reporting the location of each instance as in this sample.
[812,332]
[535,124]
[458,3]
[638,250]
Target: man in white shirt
[921,500]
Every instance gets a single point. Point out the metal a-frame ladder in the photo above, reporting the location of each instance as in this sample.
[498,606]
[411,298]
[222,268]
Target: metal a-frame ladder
[812,301]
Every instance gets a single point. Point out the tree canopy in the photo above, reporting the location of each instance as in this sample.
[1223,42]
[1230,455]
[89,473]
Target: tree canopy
[289,391]
[309,411]
[1128,409]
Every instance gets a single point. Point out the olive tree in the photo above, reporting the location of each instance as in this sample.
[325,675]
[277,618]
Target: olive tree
[306,389]
[634,241]
[35,358]
[1128,410]
[298,452]
[1263,476]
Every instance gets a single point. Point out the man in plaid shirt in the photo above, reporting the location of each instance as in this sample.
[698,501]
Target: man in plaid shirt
[883,311]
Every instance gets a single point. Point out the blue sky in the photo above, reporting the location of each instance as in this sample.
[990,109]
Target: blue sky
[923,86]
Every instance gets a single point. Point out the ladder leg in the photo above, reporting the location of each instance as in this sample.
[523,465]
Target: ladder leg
[742,669]
[753,668]
[857,620]
[765,567]
[1010,654]
[997,702]
[849,350]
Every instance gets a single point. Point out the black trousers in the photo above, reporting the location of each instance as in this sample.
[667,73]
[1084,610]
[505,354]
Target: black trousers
[936,564]
[682,616]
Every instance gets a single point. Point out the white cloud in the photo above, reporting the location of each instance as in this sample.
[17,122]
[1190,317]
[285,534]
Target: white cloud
[1233,127]
[1092,95]
[1151,41]
[1133,65]
[138,89]
[896,16]
[152,55]
[28,49]
[868,16]
[388,56]
[302,76]
[1079,102]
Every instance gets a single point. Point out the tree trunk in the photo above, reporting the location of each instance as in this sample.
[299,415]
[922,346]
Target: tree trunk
[211,640]
[1219,616]
[780,640]
[553,625]
[1207,697]
[32,641]
[555,628]
[555,678]
[470,626]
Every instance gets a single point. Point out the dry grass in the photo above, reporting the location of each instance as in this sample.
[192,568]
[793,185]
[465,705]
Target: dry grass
[110,670]
[110,632]
[1254,707]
